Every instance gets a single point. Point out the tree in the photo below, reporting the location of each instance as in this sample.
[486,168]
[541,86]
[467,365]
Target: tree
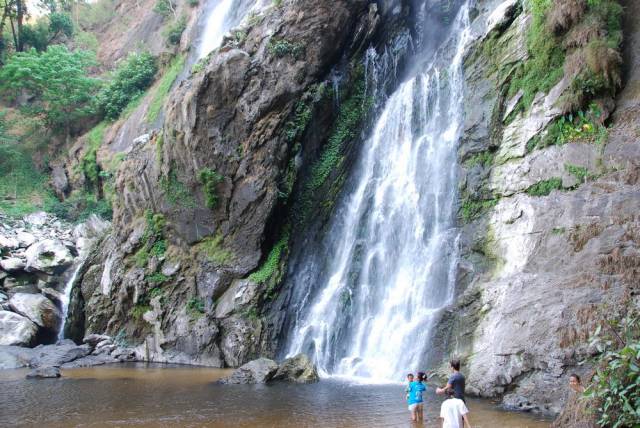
[58,82]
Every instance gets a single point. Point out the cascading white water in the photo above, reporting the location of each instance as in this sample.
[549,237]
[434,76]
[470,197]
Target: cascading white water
[392,244]
[66,298]
[222,16]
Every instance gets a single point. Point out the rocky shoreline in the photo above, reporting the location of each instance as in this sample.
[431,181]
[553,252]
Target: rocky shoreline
[37,253]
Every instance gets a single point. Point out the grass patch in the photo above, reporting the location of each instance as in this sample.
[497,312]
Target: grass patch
[157,278]
[212,247]
[581,173]
[175,191]
[139,310]
[163,88]
[485,159]
[545,187]
[89,162]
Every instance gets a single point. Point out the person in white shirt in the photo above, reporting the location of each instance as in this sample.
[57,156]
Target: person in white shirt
[453,412]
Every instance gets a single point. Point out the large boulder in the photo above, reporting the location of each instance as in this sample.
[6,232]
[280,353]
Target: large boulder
[37,308]
[49,256]
[58,354]
[14,357]
[16,329]
[298,369]
[8,243]
[256,371]
[12,264]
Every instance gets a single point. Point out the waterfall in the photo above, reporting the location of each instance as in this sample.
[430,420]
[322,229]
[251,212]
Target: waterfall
[220,17]
[65,299]
[366,300]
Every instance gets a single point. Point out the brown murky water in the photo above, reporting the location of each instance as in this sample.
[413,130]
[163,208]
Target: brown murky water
[174,396]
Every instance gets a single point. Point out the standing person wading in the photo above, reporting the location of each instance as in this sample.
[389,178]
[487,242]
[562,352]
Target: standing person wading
[414,398]
[453,412]
[455,383]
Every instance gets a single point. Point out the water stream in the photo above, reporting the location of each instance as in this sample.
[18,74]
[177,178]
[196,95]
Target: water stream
[65,298]
[392,245]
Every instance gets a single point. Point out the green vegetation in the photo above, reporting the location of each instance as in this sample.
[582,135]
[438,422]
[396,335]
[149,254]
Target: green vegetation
[281,48]
[78,206]
[139,310]
[58,82]
[195,307]
[581,127]
[484,159]
[89,164]
[558,230]
[350,117]
[157,278]
[581,41]
[581,173]
[212,247]
[164,87]
[164,7]
[173,32]
[175,191]
[296,127]
[545,187]
[22,187]
[129,82]
[153,241]
[615,386]
[210,179]
[472,209]
[269,271]
[277,3]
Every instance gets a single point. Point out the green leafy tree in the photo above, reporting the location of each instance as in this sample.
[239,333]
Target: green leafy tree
[129,81]
[58,82]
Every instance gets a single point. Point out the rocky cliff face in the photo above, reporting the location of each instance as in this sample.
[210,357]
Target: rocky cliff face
[540,269]
[202,203]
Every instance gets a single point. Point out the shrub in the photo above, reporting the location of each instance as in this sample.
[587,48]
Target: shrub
[210,179]
[153,241]
[615,387]
[472,209]
[545,187]
[281,48]
[164,7]
[175,191]
[130,80]
[173,32]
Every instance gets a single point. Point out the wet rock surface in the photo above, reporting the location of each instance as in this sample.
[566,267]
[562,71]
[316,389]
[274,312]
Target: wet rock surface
[44,373]
[298,369]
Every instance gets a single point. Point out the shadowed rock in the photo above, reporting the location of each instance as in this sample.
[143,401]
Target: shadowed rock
[44,373]
[256,371]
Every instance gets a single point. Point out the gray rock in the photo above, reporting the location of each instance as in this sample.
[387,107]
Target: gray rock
[95,339]
[170,268]
[298,369]
[37,308]
[37,219]
[89,361]
[59,180]
[25,239]
[8,243]
[16,329]
[14,357]
[256,371]
[44,373]
[50,256]
[12,264]
[58,354]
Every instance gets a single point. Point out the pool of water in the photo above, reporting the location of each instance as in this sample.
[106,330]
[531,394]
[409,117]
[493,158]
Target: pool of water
[144,395]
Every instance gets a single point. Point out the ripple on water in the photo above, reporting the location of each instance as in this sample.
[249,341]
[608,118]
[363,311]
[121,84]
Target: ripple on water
[154,395]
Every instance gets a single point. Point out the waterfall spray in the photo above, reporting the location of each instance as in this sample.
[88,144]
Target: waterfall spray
[392,244]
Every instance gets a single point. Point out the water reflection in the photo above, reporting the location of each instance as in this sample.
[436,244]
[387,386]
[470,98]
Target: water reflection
[171,396]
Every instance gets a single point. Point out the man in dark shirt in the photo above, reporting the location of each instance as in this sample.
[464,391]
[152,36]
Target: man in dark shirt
[456,381]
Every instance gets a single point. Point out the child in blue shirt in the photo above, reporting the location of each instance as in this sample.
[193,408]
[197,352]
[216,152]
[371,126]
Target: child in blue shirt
[414,398]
